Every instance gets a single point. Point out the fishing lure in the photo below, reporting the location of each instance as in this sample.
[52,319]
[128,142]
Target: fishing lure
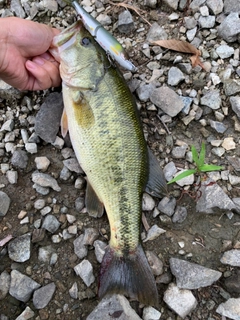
[104,38]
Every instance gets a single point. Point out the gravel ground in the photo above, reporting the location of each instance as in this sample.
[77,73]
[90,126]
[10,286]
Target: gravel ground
[51,249]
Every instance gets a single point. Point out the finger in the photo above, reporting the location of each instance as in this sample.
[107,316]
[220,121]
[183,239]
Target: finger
[45,73]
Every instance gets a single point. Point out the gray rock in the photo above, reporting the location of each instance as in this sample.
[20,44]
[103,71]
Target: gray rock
[175,76]
[73,291]
[43,296]
[4,203]
[207,22]
[79,203]
[48,117]
[191,34]
[187,104]
[45,254]
[19,159]
[173,4]
[167,100]
[156,33]
[26,314]
[7,126]
[19,249]
[211,99]
[153,233]
[45,180]
[17,8]
[224,51]
[79,247]
[100,247]
[21,286]
[104,19]
[231,257]
[51,5]
[190,22]
[235,162]
[229,29]
[180,215]
[235,104]
[9,93]
[231,6]
[213,198]
[231,87]
[115,304]
[144,91]
[216,6]
[191,275]
[167,205]
[125,22]
[218,126]
[230,308]
[85,270]
[155,263]
[179,152]
[150,3]
[148,202]
[4,284]
[169,170]
[51,223]
[73,165]
[181,301]
[65,174]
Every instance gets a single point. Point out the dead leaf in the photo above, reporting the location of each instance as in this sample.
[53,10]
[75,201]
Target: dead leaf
[182,46]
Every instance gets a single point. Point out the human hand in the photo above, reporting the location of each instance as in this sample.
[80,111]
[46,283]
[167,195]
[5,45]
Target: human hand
[25,62]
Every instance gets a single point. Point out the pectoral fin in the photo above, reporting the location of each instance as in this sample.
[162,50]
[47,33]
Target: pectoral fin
[64,124]
[94,207]
[156,184]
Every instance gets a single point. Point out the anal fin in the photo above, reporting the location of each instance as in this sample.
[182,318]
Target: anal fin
[94,206]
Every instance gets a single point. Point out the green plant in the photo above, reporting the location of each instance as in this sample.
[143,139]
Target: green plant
[200,165]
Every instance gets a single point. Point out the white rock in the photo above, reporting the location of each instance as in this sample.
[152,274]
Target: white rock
[229,144]
[230,309]
[31,147]
[42,163]
[185,181]
[231,257]
[85,270]
[154,232]
[181,301]
[150,313]
[12,176]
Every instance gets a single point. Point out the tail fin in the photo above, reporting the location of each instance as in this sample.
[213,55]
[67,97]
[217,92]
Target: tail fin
[130,275]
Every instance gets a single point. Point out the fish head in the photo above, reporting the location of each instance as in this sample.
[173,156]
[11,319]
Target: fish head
[82,60]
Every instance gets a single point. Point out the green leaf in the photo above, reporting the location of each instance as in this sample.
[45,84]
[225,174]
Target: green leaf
[182,175]
[209,167]
[202,156]
[194,155]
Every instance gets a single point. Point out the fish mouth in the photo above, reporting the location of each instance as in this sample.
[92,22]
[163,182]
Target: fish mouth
[67,36]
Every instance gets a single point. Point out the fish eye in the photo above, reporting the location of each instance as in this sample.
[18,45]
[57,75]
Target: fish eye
[85,41]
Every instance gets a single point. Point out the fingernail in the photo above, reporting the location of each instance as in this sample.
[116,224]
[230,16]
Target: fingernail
[39,61]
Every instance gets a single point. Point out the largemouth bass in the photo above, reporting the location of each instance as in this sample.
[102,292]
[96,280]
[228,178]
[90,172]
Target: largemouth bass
[101,116]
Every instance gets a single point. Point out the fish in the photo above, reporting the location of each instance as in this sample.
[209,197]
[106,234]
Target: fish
[102,119]
[111,45]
